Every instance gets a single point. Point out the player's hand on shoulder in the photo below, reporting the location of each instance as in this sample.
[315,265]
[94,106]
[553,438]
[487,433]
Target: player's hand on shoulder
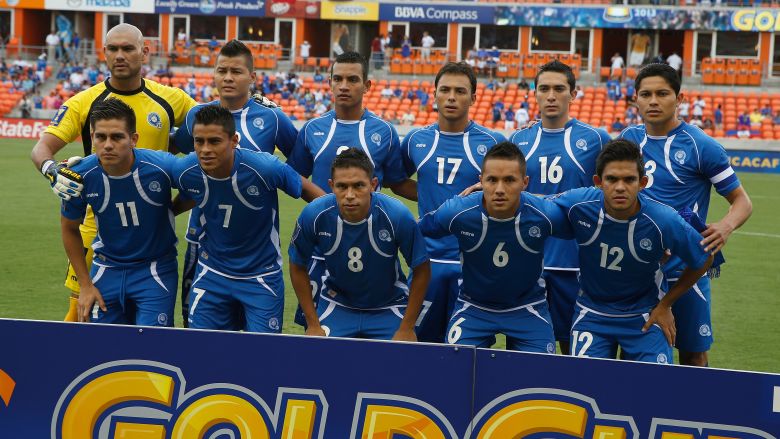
[87,298]
[715,236]
[405,335]
[471,189]
[663,317]
[264,101]
[315,330]
[65,182]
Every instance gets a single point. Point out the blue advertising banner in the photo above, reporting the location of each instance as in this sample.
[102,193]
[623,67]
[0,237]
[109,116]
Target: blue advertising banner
[244,8]
[638,17]
[767,162]
[439,13]
[78,381]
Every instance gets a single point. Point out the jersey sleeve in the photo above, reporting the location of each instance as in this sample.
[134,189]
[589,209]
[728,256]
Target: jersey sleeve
[69,120]
[300,158]
[182,103]
[406,160]
[604,137]
[499,137]
[74,209]
[286,134]
[283,176]
[561,227]
[685,241]
[183,139]
[303,239]
[393,167]
[716,167]
[410,239]
[436,224]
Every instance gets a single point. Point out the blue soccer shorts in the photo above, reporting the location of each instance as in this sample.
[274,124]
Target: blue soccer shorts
[187,276]
[317,276]
[376,324]
[527,328]
[217,301]
[562,290]
[440,300]
[598,335]
[143,294]
[692,315]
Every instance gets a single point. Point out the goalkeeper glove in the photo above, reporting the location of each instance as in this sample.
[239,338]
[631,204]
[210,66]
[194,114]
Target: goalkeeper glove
[65,183]
[264,101]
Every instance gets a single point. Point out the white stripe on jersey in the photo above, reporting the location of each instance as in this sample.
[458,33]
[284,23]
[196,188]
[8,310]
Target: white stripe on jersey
[482,235]
[327,139]
[237,192]
[432,151]
[660,233]
[567,146]
[153,270]
[631,248]
[536,144]
[371,237]
[598,228]
[245,129]
[362,137]
[726,173]
[468,152]
[106,194]
[337,241]
[520,237]
[206,191]
[667,161]
[140,189]
[275,239]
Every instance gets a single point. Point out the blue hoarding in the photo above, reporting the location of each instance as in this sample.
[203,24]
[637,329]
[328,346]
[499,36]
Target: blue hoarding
[438,13]
[77,381]
[767,162]
[245,8]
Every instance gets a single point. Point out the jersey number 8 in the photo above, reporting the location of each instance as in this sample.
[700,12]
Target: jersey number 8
[354,263]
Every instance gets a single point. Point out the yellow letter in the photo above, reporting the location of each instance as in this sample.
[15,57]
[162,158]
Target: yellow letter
[206,412]
[535,416]
[135,431]
[765,21]
[607,432]
[299,418]
[106,391]
[384,421]
[743,19]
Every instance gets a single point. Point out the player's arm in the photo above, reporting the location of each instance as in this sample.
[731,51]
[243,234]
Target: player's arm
[740,209]
[436,224]
[182,204]
[396,176]
[421,277]
[299,277]
[406,188]
[310,191]
[74,248]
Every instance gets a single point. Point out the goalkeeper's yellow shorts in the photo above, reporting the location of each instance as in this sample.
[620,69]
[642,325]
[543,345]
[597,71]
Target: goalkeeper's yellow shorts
[88,233]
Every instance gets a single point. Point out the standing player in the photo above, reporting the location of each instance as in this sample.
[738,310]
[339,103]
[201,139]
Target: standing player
[682,165]
[260,128]
[447,157]
[348,125]
[133,277]
[240,261]
[360,233]
[501,233]
[561,154]
[623,235]
[159,108]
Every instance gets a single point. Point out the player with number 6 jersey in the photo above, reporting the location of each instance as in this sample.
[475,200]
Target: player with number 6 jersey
[447,158]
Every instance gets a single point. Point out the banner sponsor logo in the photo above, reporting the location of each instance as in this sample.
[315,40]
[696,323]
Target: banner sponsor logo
[254,8]
[22,128]
[756,20]
[364,11]
[755,161]
[436,14]
[143,6]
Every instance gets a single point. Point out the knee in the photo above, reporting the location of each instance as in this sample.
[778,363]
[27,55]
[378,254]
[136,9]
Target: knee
[694,359]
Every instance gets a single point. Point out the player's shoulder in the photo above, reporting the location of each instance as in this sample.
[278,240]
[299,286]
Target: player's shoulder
[319,126]
[325,204]
[157,158]
[427,130]
[656,208]
[580,196]
[187,166]
[634,132]
[390,204]
[524,133]
[458,205]
[86,165]
[85,98]
[698,138]
[254,157]
[479,130]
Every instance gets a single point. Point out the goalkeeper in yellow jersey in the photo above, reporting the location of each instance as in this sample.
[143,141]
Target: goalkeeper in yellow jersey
[158,109]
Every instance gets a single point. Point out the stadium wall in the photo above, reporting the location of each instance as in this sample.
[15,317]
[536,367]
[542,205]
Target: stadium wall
[151,383]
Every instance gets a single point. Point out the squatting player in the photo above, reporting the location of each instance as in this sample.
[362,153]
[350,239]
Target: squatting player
[682,165]
[133,276]
[359,232]
[240,261]
[561,155]
[623,236]
[502,233]
[348,125]
[158,109]
[260,128]
[447,157]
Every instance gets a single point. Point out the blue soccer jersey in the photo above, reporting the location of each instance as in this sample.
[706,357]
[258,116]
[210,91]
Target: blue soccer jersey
[259,128]
[682,167]
[559,160]
[446,164]
[240,214]
[321,139]
[133,212]
[361,258]
[620,272]
[502,258]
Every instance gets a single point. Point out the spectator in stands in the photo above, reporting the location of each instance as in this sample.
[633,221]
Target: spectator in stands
[521,116]
[387,92]
[613,89]
[683,110]
[73,47]
[766,111]
[320,108]
[707,124]
[26,106]
[410,95]
[377,54]
[427,43]
[305,50]
[630,90]
[617,63]
[214,44]
[632,116]
[318,78]
[493,57]
[675,62]
[696,121]
[509,119]
[580,93]
[407,118]
[471,57]
[498,108]
[698,107]
[481,61]
[48,100]
[491,84]
[618,125]
[92,73]
[387,47]
[52,45]
[756,117]
[523,85]
[181,36]
[743,125]
[776,118]
[423,99]
[718,117]
[406,47]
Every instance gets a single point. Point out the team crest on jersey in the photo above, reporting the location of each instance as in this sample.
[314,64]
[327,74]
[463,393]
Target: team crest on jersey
[252,190]
[155,186]
[154,120]
[58,117]
[376,138]
[162,318]
[258,123]
[384,235]
[481,149]
[661,359]
[534,232]
[550,348]
[582,144]
[273,323]
[646,244]
[705,331]
[679,157]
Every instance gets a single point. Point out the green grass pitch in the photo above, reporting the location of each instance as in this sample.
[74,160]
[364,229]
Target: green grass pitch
[746,297]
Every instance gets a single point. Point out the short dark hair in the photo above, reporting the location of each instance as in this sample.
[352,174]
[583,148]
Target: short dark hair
[658,69]
[352,58]
[558,67]
[505,151]
[235,48]
[216,115]
[457,68]
[113,109]
[352,158]
[620,150]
